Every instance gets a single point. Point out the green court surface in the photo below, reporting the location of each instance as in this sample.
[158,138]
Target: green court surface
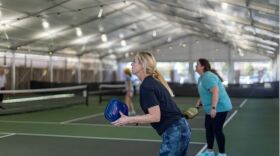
[252,128]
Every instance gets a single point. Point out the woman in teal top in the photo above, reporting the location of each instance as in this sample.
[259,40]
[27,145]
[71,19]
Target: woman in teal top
[216,104]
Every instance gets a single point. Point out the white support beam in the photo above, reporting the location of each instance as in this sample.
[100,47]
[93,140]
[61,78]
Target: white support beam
[79,71]
[51,68]
[230,66]
[13,71]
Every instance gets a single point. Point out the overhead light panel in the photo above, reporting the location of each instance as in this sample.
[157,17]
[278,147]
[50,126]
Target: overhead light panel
[123,43]
[100,12]
[100,27]
[224,5]
[270,52]
[154,33]
[45,24]
[169,39]
[121,35]
[126,55]
[79,32]
[240,52]
[104,38]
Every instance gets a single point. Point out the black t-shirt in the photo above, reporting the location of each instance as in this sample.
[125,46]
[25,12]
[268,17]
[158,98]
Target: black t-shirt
[153,93]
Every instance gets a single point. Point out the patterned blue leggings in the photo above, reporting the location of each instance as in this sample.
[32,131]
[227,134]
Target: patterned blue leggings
[175,139]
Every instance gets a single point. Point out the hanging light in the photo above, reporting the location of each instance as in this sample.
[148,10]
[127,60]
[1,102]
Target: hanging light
[104,38]
[100,12]
[79,32]
[121,35]
[224,5]
[123,43]
[45,24]
[100,27]
[154,33]
[240,52]
[169,39]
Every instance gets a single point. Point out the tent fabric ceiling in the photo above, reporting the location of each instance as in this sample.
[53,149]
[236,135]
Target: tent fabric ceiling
[75,28]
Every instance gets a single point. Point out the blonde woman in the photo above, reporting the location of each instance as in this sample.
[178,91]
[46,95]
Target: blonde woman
[129,92]
[159,108]
[2,85]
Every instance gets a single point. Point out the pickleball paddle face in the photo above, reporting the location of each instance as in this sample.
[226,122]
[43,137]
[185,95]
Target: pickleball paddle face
[190,113]
[113,108]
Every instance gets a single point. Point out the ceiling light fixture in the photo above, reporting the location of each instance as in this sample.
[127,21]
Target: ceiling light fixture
[121,35]
[100,12]
[240,52]
[169,39]
[123,43]
[104,38]
[100,27]
[154,33]
[79,32]
[45,24]
[224,5]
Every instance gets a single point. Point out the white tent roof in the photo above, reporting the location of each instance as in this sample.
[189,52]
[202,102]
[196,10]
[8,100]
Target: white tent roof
[99,28]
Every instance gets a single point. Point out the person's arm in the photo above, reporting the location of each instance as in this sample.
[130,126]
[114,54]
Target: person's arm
[215,97]
[152,116]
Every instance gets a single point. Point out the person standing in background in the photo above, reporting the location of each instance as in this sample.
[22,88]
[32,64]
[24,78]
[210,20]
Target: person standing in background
[216,103]
[2,85]
[129,92]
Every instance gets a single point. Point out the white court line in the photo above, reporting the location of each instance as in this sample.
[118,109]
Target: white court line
[75,124]
[227,121]
[202,149]
[38,98]
[82,124]
[231,116]
[243,103]
[81,118]
[7,135]
[89,137]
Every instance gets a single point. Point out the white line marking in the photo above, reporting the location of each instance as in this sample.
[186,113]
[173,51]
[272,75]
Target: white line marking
[7,135]
[231,116]
[89,137]
[81,118]
[81,124]
[243,103]
[202,149]
[38,98]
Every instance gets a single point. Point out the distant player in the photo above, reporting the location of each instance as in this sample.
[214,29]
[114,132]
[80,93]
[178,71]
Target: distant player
[2,85]
[129,92]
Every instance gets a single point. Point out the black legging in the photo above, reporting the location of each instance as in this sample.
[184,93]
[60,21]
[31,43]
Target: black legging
[1,95]
[214,128]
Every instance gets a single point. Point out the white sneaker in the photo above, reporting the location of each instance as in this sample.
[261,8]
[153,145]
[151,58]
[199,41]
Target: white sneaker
[222,154]
[206,153]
